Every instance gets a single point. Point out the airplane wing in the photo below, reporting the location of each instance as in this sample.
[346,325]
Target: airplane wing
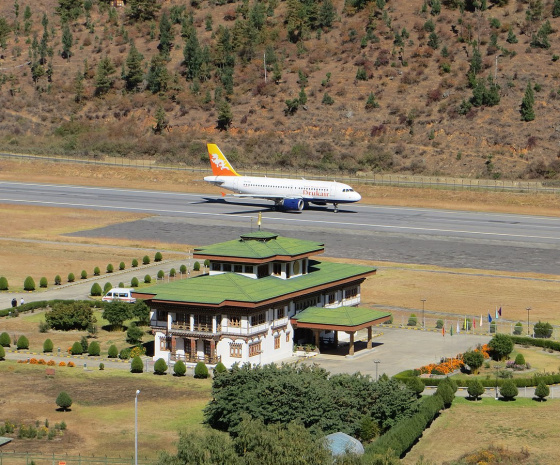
[265,197]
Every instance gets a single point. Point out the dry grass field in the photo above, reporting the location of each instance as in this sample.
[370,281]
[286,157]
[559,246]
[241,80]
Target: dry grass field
[470,426]
[101,420]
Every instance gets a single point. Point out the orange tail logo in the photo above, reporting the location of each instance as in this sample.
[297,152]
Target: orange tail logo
[220,164]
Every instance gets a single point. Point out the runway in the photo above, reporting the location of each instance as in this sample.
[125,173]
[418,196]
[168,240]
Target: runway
[406,235]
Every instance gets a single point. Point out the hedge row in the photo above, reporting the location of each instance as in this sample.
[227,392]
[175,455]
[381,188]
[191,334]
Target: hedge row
[46,303]
[519,382]
[401,437]
[532,341]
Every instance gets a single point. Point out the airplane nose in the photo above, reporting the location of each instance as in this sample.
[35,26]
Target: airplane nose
[358,196]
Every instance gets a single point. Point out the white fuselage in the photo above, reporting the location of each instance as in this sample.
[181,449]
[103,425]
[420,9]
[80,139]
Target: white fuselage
[279,188]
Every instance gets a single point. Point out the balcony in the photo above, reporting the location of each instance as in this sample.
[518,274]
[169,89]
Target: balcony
[187,358]
[200,328]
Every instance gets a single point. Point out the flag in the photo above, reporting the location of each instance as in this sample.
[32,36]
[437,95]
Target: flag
[500,311]
[474,323]
[466,325]
[458,328]
[496,313]
[443,331]
[451,329]
[489,318]
[480,320]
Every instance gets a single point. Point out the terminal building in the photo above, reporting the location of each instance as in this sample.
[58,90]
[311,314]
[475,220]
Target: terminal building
[262,294]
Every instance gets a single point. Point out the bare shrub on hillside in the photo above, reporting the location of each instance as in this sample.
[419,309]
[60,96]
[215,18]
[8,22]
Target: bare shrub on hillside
[532,142]
[434,95]
[378,130]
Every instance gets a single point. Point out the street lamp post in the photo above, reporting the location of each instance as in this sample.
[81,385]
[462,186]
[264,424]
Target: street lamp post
[528,310]
[136,427]
[423,319]
[497,368]
[377,362]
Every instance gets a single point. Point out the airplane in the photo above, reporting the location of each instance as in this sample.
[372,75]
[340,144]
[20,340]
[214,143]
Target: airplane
[287,194]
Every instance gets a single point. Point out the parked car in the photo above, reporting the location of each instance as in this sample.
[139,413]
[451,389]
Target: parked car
[119,293]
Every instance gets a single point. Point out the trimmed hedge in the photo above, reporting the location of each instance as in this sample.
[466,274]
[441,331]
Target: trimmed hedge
[519,382]
[537,342]
[28,307]
[401,437]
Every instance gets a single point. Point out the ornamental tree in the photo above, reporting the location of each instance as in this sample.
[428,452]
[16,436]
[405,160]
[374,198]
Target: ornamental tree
[501,346]
[475,388]
[29,284]
[509,390]
[134,334]
[136,366]
[542,391]
[5,339]
[22,343]
[474,360]
[77,349]
[64,401]
[116,313]
[94,349]
[179,369]
[160,367]
[113,351]
[48,345]
[2,353]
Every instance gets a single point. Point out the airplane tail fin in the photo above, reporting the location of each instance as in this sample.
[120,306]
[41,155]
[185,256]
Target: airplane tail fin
[219,162]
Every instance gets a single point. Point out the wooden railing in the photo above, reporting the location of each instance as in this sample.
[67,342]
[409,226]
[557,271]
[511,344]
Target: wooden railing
[196,358]
[201,328]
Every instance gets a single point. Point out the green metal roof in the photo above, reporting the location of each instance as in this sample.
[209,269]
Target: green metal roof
[259,245]
[340,316]
[215,289]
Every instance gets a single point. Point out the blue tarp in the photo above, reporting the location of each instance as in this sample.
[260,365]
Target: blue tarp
[340,443]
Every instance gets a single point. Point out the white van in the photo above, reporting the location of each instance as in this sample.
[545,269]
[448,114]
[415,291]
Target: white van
[119,293]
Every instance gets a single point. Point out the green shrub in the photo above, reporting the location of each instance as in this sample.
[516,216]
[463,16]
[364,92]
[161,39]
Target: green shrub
[508,390]
[22,343]
[501,346]
[43,282]
[94,349]
[446,393]
[95,289]
[77,349]
[207,263]
[108,286]
[43,326]
[57,280]
[124,354]
[412,320]
[183,269]
[542,391]
[136,366]
[122,266]
[172,272]
[147,279]
[369,429]
[71,277]
[3,284]
[121,285]
[110,268]
[160,367]
[439,324]
[48,345]
[145,260]
[96,271]
[519,359]
[416,385]
[179,368]
[29,284]
[113,351]
[2,353]
[83,274]
[475,388]
[101,366]
[196,266]
[64,401]
[134,263]
[220,368]
[134,282]
[85,344]
[201,370]
[542,330]
[158,257]
[5,340]
[160,274]
[327,99]
[518,328]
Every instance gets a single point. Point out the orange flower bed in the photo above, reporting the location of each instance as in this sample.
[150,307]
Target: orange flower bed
[41,362]
[62,364]
[484,349]
[33,361]
[71,364]
[51,363]
[22,361]
[448,365]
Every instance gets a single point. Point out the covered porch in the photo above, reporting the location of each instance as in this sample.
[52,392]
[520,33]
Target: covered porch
[346,319]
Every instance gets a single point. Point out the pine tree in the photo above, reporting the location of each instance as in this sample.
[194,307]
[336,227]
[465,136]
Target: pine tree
[103,78]
[165,36]
[4,32]
[69,10]
[556,9]
[158,76]
[225,116]
[371,102]
[302,97]
[134,75]
[192,54]
[67,41]
[527,112]
[327,14]
[161,120]
[142,10]
[512,38]
[433,41]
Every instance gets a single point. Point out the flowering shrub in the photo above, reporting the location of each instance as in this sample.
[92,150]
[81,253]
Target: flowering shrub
[62,364]
[515,366]
[22,361]
[71,364]
[51,363]
[33,361]
[41,362]
[446,366]
[484,349]
[69,350]
[137,351]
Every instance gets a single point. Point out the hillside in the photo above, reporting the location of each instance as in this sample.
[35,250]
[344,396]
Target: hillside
[386,84]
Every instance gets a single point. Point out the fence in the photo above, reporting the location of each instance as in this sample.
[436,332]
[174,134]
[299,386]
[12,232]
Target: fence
[399,180]
[21,458]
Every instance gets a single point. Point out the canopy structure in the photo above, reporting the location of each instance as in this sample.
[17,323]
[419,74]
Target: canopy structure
[347,319]
[341,443]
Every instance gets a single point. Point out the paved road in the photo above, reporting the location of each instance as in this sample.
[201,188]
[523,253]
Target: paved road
[407,235]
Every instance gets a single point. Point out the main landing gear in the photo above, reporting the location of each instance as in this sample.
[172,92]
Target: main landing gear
[335,205]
